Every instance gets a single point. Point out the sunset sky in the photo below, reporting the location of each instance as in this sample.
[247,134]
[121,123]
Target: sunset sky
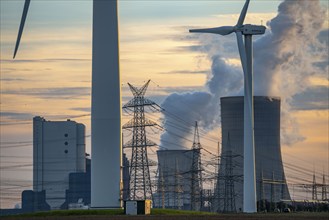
[51,75]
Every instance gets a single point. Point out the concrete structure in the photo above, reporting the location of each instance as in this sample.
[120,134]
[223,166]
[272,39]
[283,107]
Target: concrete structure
[269,167]
[34,201]
[80,184]
[174,183]
[58,150]
[79,187]
[31,202]
[106,147]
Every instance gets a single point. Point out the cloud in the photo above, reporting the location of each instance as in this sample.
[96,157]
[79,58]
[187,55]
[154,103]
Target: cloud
[43,60]
[86,109]
[13,79]
[182,89]
[288,55]
[226,79]
[16,115]
[285,56]
[313,98]
[51,93]
[323,36]
[177,119]
[186,72]
[293,49]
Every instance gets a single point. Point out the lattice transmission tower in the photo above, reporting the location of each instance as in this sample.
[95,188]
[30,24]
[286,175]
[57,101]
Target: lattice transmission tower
[324,188]
[178,203]
[314,188]
[196,177]
[140,181]
[229,179]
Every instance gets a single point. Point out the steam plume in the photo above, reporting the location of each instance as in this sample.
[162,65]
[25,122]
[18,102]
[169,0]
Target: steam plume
[292,50]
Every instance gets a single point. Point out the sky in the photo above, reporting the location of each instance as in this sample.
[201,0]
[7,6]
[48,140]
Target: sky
[51,75]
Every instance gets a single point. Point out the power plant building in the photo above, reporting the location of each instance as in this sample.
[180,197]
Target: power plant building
[58,150]
[79,187]
[174,180]
[270,177]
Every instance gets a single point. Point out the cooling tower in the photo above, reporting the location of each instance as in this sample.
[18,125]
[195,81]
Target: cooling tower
[174,182]
[271,183]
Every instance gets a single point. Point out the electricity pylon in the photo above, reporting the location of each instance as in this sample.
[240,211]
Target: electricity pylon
[140,181]
[324,188]
[314,189]
[196,177]
[178,188]
[229,179]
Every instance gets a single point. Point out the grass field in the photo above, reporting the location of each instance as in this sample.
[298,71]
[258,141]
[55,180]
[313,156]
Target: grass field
[164,214]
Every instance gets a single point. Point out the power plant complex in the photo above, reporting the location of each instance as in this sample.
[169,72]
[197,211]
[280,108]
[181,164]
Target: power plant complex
[248,177]
[59,149]
[62,171]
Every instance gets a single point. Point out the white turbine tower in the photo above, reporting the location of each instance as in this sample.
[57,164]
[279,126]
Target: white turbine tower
[245,50]
[105,106]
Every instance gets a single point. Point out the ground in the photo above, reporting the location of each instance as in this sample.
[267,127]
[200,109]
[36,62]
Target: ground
[165,215]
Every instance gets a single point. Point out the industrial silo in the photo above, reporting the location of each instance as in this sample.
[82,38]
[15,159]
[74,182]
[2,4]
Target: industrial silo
[271,183]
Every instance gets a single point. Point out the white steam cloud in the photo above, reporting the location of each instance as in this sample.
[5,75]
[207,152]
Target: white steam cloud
[294,48]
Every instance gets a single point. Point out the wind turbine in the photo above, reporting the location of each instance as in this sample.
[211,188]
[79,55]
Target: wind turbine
[246,52]
[105,106]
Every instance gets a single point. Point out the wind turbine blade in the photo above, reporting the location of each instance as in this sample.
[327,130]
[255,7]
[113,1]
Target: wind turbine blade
[242,51]
[225,30]
[21,27]
[243,14]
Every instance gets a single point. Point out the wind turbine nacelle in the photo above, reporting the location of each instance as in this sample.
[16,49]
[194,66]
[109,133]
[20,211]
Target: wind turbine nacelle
[253,29]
